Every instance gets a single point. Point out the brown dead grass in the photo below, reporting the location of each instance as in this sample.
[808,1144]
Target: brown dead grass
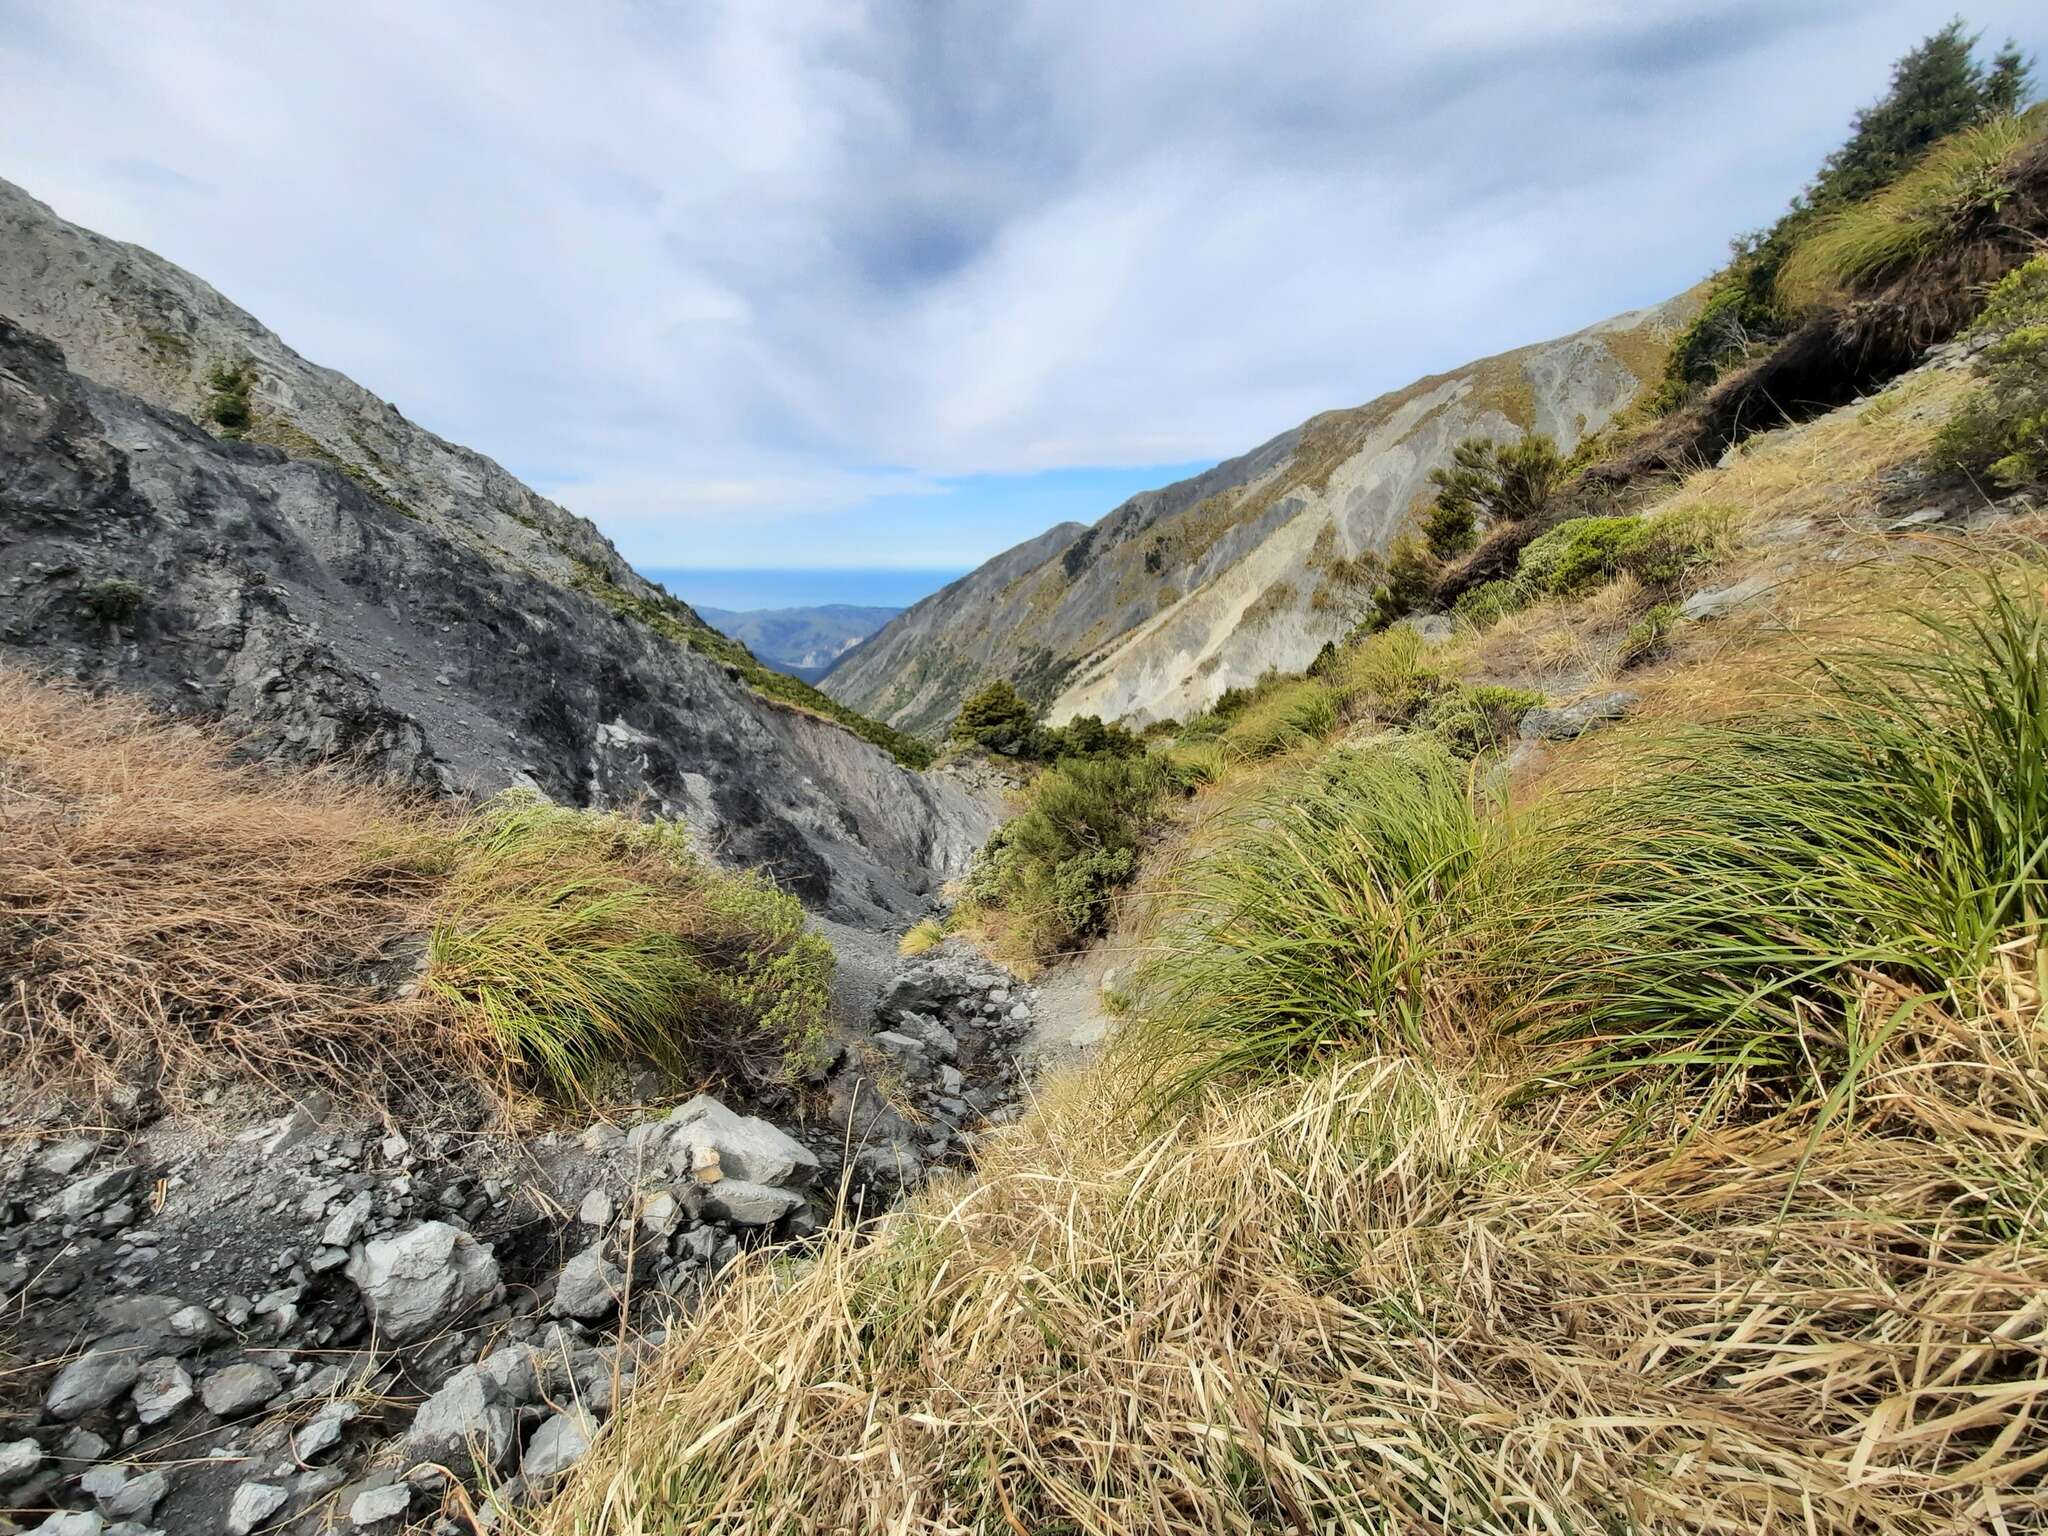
[170,918]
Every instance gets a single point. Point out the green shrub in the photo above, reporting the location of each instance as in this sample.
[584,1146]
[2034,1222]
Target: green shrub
[1088,736]
[1323,918]
[1648,636]
[114,601]
[1056,866]
[1492,601]
[1771,896]
[2001,431]
[1409,584]
[582,941]
[1584,553]
[228,406]
[1487,483]
[1282,719]
[997,719]
[1470,719]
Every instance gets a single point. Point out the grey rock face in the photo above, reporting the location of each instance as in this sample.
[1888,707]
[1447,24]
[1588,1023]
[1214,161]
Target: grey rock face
[1576,718]
[468,1426]
[385,595]
[239,1389]
[748,1148]
[419,1280]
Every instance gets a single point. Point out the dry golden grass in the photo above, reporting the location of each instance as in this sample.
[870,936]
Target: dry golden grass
[1376,1301]
[172,918]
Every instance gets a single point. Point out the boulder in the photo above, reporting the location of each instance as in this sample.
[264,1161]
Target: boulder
[469,1426]
[239,1389]
[253,1506]
[1573,720]
[418,1281]
[95,1192]
[1716,601]
[91,1382]
[374,1506]
[557,1446]
[747,1204]
[748,1148]
[590,1285]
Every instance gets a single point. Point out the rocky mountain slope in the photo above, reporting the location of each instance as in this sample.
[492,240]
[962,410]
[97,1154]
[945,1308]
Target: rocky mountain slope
[345,582]
[804,642]
[1202,585]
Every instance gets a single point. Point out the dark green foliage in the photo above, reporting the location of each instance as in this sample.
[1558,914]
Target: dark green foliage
[228,407]
[1474,719]
[1481,605]
[1487,483]
[1410,582]
[111,602]
[674,621]
[1584,553]
[997,719]
[2001,431]
[1089,736]
[1936,90]
[1055,867]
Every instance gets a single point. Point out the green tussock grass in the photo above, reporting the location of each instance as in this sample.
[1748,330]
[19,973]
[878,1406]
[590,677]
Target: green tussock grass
[579,941]
[1964,177]
[923,935]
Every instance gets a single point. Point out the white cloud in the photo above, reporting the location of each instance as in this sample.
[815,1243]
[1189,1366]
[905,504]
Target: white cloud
[701,267]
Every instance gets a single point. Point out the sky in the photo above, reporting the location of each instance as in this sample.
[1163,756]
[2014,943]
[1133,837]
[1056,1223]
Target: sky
[813,284]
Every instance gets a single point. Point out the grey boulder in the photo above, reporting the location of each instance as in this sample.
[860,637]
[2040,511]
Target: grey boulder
[469,1426]
[590,1285]
[252,1507]
[417,1281]
[747,1204]
[239,1389]
[748,1148]
[91,1382]
[557,1446]
[1573,720]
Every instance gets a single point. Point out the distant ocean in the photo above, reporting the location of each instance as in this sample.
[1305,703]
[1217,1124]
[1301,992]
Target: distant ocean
[746,590]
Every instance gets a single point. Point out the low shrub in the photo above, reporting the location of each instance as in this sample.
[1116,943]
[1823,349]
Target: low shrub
[1088,736]
[1055,867]
[1470,719]
[111,602]
[1491,601]
[578,940]
[997,719]
[1487,483]
[2000,432]
[1649,635]
[228,406]
[1660,550]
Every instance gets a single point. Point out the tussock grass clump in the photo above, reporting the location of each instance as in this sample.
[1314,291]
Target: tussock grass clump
[1289,716]
[1959,188]
[171,919]
[168,918]
[921,937]
[579,940]
[1770,896]
[1372,1301]
[1324,915]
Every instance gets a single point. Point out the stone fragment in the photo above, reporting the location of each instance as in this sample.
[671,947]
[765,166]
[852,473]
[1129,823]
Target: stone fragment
[71,1523]
[252,1507]
[239,1389]
[18,1459]
[95,1192]
[469,1426]
[747,1204]
[347,1224]
[557,1446]
[1716,601]
[162,1388]
[596,1209]
[589,1285]
[67,1156]
[1573,720]
[91,1382]
[417,1281]
[748,1148]
[376,1505]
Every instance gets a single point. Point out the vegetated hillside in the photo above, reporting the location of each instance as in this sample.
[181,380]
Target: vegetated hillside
[431,617]
[804,642]
[1183,592]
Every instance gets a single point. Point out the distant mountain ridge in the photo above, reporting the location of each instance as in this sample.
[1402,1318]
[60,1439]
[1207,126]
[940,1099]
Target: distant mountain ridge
[1199,586]
[804,642]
